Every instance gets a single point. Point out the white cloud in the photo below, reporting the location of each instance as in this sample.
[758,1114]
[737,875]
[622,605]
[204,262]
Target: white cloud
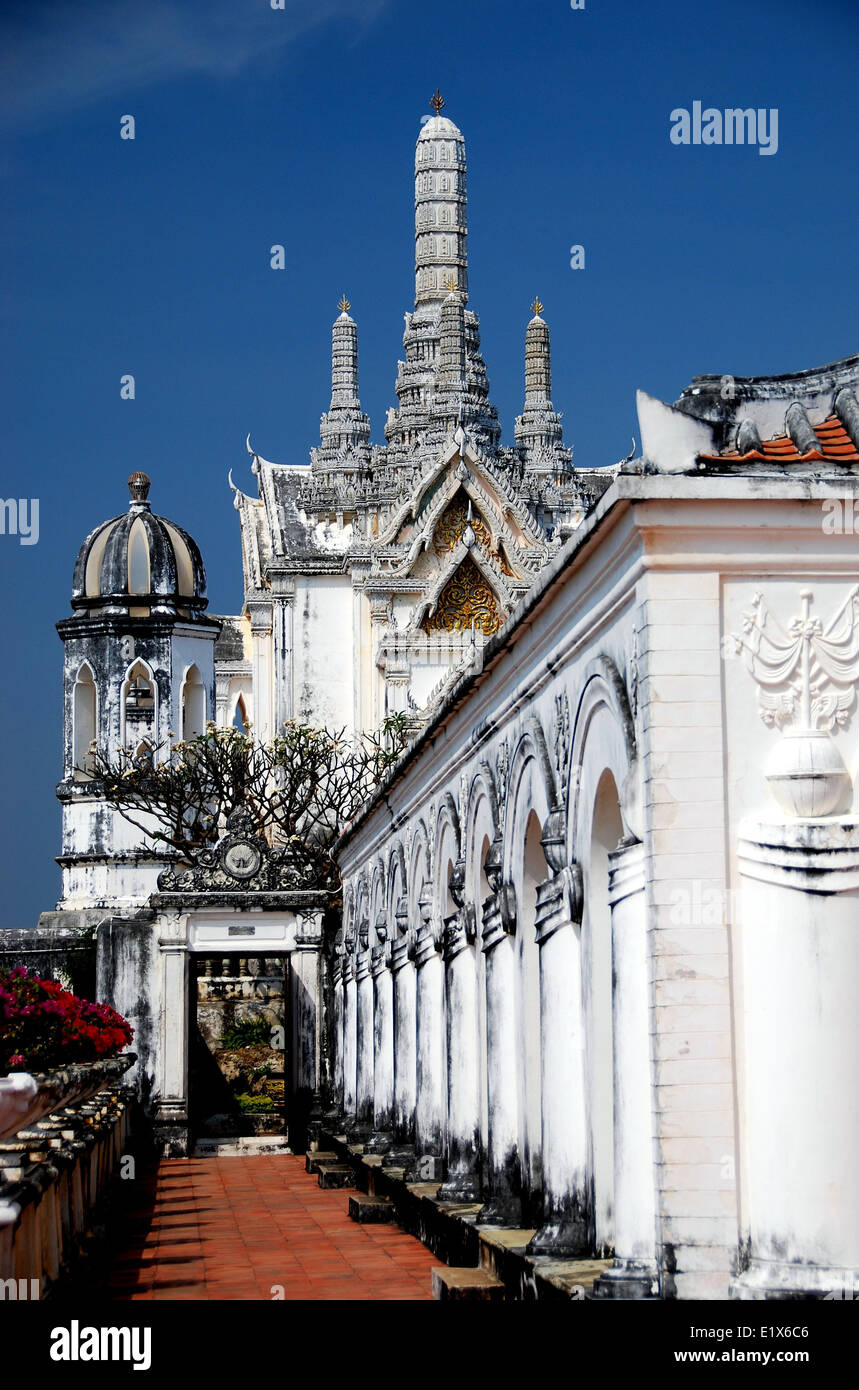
[59,58]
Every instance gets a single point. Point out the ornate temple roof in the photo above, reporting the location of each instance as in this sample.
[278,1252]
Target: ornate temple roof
[382,510]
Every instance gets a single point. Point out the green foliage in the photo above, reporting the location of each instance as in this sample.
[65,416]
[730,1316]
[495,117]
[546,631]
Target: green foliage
[248,1032]
[255,1105]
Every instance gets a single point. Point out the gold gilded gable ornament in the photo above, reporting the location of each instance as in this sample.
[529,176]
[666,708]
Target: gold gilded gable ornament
[465,602]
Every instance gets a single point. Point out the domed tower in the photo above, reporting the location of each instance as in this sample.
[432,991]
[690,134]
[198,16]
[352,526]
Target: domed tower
[138,668]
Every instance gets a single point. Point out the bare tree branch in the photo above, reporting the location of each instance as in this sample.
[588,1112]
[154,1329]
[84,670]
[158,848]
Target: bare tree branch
[301,789]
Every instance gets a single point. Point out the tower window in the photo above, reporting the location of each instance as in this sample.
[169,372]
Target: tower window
[83,724]
[193,704]
[138,704]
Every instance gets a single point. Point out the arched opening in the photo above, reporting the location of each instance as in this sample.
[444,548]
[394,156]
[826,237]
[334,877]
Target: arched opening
[606,831]
[83,724]
[193,704]
[138,705]
[483,892]
[479,892]
[534,870]
[138,560]
[240,716]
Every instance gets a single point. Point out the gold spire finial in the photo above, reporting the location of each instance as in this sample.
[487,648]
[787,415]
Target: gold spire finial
[437,101]
[344,305]
[537,306]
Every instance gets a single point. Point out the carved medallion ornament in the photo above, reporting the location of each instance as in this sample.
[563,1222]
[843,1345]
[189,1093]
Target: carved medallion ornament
[466,601]
[242,861]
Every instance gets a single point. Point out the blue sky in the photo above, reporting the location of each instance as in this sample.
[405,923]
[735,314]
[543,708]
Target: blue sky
[297,126]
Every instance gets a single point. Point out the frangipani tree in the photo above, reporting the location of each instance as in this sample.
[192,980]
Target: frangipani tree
[299,790]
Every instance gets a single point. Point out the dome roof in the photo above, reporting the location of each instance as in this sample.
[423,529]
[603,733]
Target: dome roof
[440,127]
[139,561]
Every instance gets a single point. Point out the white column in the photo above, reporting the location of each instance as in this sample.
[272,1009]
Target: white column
[504,1201]
[567,1207]
[799,1121]
[431,1086]
[337,1096]
[634,1270]
[463,1071]
[405,1043]
[282,623]
[303,981]
[365,1042]
[262,715]
[171,1112]
[350,1042]
[383,1051]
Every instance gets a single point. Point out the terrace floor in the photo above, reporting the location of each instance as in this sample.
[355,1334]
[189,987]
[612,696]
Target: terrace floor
[255,1227]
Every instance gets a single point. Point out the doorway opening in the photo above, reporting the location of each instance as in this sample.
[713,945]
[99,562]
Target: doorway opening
[238,1059]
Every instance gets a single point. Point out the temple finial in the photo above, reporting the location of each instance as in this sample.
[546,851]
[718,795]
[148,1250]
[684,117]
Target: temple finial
[437,101]
[450,283]
[344,306]
[138,487]
[537,306]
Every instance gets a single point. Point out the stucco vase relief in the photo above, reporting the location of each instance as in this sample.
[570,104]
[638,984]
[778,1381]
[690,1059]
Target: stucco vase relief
[806,676]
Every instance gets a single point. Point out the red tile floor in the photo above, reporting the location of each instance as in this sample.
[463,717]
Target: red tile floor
[256,1228]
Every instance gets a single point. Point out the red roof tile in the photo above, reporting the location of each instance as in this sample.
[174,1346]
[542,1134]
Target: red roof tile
[835,445]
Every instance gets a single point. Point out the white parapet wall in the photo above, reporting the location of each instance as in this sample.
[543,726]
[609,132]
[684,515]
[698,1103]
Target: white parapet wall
[694,981]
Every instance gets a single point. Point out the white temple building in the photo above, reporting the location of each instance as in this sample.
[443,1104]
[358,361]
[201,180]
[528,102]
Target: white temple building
[374,572]
[596,973]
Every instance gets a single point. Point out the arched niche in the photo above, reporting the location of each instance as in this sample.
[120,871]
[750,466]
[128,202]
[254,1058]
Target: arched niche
[481,828]
[139,705]
[445,856]
[418,873]
[529,806]
[193,698]
[605,830]
[84,722]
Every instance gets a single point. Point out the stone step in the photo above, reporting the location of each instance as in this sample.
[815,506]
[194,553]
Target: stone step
[313,1159]
[473,1284]
[365,1209]
[241,1146]
[335,1175]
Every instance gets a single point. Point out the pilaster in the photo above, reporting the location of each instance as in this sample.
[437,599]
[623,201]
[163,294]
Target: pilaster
[800,964]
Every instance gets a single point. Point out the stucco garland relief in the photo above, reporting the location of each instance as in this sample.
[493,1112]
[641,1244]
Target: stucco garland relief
[562,743]
[806,676]
[502,773]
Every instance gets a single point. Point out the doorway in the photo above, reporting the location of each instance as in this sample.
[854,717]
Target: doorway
[238,1058]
